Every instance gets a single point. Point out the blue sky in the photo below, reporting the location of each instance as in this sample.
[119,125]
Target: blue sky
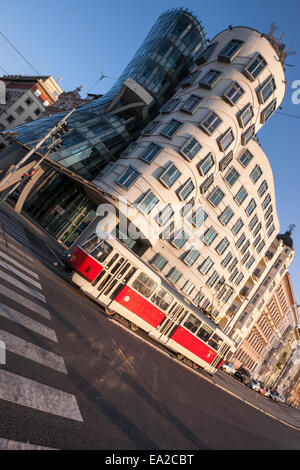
[78,38]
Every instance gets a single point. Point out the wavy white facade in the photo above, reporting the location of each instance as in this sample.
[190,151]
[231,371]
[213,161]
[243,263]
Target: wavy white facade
[200,153]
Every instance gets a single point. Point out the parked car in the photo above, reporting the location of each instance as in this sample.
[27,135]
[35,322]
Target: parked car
[281,399]
[255,385]
[228,367]
[243,375]
[273,395]
[268,392]
[262,389]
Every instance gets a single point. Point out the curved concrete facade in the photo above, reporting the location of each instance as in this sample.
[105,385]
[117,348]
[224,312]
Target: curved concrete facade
[218,172]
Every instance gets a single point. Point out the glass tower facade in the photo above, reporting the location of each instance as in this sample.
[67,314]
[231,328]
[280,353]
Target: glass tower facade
[99,131]
[98,135]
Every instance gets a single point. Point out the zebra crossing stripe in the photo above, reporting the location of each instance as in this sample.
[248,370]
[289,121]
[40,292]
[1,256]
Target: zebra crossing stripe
[6,444]
[20,274]
[22,391]
[32,352]
[19,265]
[14,248]
[26,322]
[20,299]
[22,286]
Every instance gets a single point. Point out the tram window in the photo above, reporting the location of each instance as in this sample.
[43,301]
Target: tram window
[204,333]
[144,285]
[90,244]
[215,342]
[192,323]
[162,299]
[127,265]
[117,265]
[102,251]
[112,260]
[129,275]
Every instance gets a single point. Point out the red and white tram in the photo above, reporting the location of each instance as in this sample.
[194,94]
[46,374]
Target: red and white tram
[117,279]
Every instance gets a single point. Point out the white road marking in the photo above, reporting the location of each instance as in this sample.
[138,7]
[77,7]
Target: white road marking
[19,265]
[21,285]
[6,444]
[20,274]
[9,293]
[32,352]
[10,314]
[22,391]
[14,248]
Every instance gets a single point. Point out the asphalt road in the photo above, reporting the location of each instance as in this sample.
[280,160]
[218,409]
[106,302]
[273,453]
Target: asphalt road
[75,379]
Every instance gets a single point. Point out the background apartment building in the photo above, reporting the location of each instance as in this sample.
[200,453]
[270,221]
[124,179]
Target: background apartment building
[27,98]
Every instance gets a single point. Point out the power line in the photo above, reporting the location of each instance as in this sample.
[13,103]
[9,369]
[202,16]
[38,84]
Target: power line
[3,69]
[290,115]
[18,52]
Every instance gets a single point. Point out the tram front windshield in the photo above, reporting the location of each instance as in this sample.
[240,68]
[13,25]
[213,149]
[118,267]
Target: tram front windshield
[97,247]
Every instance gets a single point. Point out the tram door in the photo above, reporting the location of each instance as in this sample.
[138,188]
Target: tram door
[116,273]
[170,323]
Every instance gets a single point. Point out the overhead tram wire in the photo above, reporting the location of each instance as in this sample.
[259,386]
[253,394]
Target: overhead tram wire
[19,53]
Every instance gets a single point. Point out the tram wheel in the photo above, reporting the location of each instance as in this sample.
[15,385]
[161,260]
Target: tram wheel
[134,327]
[109,312]
[195,366]
[180,356]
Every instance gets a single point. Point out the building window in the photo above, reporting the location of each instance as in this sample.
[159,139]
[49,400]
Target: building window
[188,288]
[263,188]
[260,246]
[268,111]
[210,79]
[239,279]
[212,279]
[226,140]
[190,148]
[148,202]
[226,216]
[209,236]
[251,206]
[206,184]
[210,123]
[37,112]
[269,221]
[20,110]
[189,80]
[216,197]
[150,153]
[171,128]
[170,105]
[231,177]
[248,135]
[206,265]
[191,104]
[259,226]
[266,202]
[256,174]
[271,230]
[250,262]
[170,175]
[241,196]
[10,118]
[240,241]
[227,259]
[246,115]
[222,246]
[268,213]
[191,257]
[223,164]
[206,164]
[129,177]
[180,239]
[245,158]
[174,275]
[165,215]
[159,262]
[255,67]
[199,217]
[237,226]
[233,93]
[253,222]
[230,50]
[233,265]
[28,101]
[186,190]
[266,90]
